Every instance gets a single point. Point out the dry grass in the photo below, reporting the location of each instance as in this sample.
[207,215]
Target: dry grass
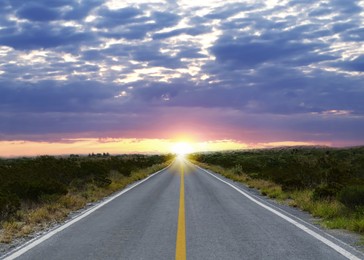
[34,217]
[267,188]
[326,209]
[333,213]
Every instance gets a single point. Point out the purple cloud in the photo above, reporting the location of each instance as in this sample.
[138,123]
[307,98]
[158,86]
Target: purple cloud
[38,13]
[261,72]
[32,36]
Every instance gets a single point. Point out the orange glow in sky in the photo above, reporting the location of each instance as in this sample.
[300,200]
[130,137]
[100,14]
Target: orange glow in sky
[112,146]
[121,146]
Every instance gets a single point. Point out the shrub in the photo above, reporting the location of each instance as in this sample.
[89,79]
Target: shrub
[9,204]
[352,196]
[325,192]
[126,171]
[37,188]
[101,181]
[238,169]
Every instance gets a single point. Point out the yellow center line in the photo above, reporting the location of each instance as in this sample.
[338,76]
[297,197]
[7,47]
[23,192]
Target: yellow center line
[181,229]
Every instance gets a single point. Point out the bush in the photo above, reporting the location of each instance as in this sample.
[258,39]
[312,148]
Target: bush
[352,196]
[238,170]
[296,168]
[325,192]
[9,204]
[38,188]
[45,179]
[126,171]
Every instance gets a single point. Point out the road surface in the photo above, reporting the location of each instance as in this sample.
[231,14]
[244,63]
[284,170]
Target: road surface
[185,212]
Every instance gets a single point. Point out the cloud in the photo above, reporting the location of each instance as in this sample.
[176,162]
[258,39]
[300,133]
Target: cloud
[132,23]
[231,9]
[53,96]
[356,35]
[112,18]
[356,64]
[191,53]
[32,36]
[165,19]
[244,53]
[152,55]
[259,71]
[188,31]
[80,9]
[346,7]
[92,55]
[38,13]
[45,11]
[52,4]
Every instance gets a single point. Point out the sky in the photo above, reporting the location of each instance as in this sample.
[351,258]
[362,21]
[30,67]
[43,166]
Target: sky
[81,76]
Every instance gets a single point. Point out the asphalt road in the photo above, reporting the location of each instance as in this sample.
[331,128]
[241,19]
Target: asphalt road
[182,212]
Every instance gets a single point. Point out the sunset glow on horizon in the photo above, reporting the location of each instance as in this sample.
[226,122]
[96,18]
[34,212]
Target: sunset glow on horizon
[129,146]
[112,146]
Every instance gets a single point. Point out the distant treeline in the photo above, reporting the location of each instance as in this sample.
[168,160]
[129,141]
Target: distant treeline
[328,171]
[27,180]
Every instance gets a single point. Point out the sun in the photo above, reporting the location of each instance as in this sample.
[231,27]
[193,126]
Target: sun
[182,148]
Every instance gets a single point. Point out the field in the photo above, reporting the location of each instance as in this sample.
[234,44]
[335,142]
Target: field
[36,192]
[327,182]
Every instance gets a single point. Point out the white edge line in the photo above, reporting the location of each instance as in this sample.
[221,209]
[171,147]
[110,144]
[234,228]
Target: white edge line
[324,240]
[33,243]
[307,224]
[303,221]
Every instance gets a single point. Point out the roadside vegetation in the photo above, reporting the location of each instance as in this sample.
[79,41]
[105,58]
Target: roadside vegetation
[37,192]
[327,182]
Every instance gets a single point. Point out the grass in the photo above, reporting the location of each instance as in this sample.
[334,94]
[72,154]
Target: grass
[331,212]
[351,223]
[33,217]
[267,188]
